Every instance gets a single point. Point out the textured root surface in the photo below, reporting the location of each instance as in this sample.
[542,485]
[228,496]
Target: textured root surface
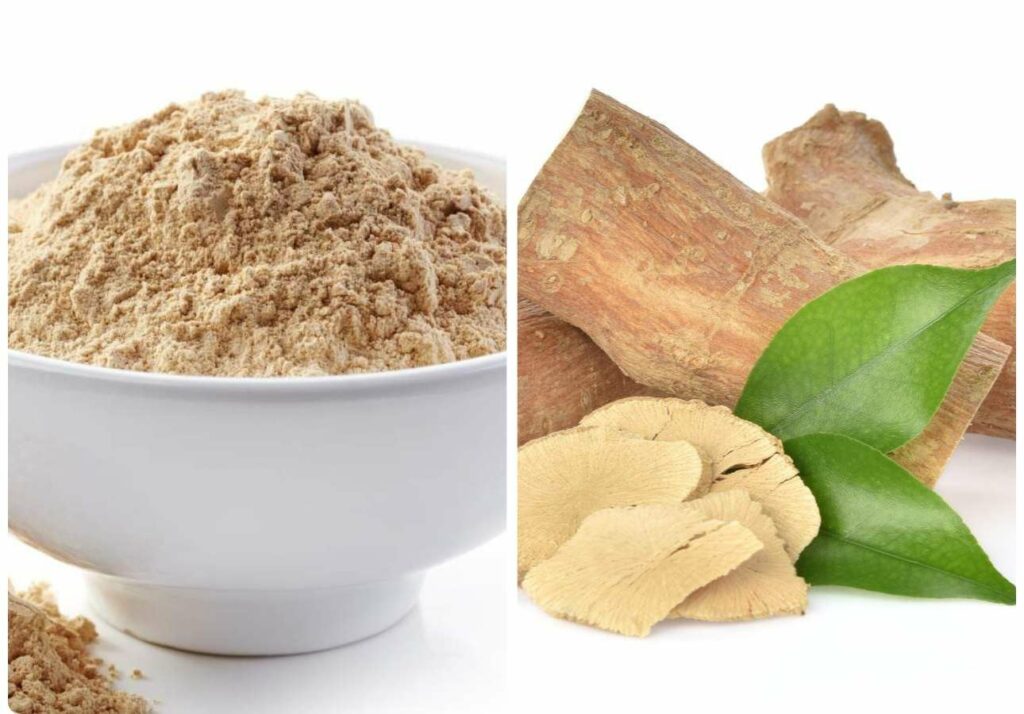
[838,173]
[563,375]
[675,269]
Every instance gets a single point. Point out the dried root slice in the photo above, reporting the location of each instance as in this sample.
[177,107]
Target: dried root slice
[723,439]
[765,585]
[776,485]
[566,476]
[626,568]
[741,455]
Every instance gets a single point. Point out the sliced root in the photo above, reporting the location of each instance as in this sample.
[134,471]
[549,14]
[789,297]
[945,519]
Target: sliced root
[740,454]
[776,485]
[566,476]
[626,568]
[763,586]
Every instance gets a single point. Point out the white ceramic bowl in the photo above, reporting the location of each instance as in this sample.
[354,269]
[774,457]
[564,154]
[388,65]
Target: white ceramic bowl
[254,515]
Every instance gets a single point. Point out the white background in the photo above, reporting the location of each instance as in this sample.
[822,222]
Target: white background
[508,79]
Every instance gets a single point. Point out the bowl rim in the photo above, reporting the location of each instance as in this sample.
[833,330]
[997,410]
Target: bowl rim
[407,377]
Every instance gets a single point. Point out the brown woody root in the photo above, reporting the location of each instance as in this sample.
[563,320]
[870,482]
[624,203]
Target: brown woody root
[838,173]
[679,272]
[562,371]
[563,375]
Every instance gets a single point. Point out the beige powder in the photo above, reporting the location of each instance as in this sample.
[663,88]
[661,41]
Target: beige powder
[49,668]
[256,238]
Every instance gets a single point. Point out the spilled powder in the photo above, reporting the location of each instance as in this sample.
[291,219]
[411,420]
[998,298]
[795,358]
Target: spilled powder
[256,238]
[49,668]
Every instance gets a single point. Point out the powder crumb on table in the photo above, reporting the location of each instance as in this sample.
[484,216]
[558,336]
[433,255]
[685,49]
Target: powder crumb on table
[49,668]
[233,237]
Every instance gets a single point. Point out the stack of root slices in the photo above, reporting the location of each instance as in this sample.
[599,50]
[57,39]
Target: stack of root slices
[655,509]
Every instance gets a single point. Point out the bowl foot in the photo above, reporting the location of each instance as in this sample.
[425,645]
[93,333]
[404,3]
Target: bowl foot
[252,622]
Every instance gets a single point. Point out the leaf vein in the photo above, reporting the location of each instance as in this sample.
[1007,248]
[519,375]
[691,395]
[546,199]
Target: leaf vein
[860,544]
[806,404]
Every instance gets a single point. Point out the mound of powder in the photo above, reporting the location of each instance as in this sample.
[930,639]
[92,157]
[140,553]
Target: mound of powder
[256,238]
[49,668]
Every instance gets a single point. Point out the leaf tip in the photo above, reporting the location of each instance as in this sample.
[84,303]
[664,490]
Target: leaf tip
[1011,594]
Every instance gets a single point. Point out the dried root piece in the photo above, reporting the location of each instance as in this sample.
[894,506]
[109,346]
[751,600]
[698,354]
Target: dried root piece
[838,173]
[741,455]
[566,476]
[765,585]
[674,268]
[563,375]
[626,568]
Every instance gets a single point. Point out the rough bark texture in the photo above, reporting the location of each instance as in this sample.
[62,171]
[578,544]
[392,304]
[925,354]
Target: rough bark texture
[838,173]
[678,271]
[563,375]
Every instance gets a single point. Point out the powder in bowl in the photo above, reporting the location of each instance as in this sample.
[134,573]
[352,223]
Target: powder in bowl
[233,237]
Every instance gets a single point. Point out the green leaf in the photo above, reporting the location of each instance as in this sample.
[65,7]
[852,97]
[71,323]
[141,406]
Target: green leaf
[873,357]
[883,530]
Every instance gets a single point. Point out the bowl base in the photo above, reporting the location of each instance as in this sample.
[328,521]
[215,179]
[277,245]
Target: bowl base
[252,622]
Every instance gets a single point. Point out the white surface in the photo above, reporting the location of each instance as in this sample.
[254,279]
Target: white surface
[447,655]
[859,651]
[313,504]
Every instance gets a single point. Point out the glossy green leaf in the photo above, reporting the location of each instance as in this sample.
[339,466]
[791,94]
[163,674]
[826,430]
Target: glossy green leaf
[883,530]
[873,357]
